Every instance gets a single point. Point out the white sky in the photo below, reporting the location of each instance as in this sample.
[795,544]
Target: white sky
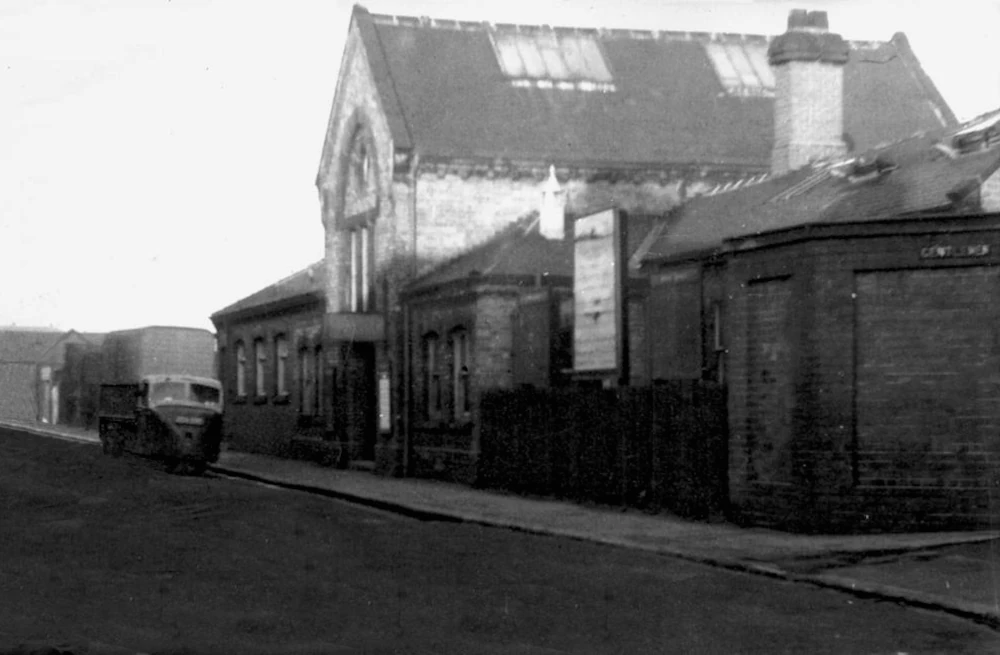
[157,157]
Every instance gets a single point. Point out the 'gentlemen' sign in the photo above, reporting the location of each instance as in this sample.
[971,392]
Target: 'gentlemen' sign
[949,252]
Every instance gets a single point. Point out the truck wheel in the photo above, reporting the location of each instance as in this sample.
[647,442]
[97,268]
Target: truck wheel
[113,443]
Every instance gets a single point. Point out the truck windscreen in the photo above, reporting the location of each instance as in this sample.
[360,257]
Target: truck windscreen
[204,394]
[165,392]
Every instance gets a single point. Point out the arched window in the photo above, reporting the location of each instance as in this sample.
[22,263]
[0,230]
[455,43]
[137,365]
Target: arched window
[280,365]
[432,375]
[318,375]
[360,257]
[241,369]
[305,382]
[460,373]
[260,358]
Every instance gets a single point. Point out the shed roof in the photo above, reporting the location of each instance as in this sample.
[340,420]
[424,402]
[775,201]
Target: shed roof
[923,174]
[520,250]
[309,282]
[446,93]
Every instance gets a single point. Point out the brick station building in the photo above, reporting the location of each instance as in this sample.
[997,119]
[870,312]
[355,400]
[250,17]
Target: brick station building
[850,306]
[443,134]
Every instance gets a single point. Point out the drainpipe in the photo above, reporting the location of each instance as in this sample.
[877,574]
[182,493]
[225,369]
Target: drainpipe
[407,322]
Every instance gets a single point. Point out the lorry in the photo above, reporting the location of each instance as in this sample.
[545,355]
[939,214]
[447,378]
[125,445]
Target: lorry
[159,397]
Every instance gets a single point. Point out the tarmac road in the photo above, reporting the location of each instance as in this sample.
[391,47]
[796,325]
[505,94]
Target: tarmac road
[116,551]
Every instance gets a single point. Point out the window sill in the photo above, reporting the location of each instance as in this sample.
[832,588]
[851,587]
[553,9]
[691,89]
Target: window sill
[439,425]
[260,400]
[280,399]
[240,400]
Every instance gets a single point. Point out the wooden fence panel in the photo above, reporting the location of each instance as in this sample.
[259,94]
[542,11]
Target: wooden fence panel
[651,447]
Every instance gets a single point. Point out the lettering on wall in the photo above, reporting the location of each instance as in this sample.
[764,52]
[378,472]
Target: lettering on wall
[954,252]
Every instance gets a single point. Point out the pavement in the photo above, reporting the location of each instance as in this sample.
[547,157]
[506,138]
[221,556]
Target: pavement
[952,572]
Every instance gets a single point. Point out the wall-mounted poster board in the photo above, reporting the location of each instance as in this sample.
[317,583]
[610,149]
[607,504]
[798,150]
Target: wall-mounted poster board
[600,340]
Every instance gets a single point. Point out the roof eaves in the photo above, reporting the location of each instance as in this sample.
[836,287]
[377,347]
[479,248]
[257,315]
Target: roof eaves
[522,225]
[388,95]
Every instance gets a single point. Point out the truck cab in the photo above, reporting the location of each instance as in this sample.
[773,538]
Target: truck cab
[175,417]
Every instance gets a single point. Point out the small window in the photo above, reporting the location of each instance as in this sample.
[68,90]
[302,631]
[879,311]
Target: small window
[318,377]
[241,369]
[280,365]
[305,382]
[460,373]
[260,357]
[432,376]
[717,354]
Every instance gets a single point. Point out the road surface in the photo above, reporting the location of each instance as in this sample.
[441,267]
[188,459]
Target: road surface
[97,549]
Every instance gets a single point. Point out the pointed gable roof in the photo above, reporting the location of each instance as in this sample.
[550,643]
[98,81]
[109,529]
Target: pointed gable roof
[445,92]
[921,175]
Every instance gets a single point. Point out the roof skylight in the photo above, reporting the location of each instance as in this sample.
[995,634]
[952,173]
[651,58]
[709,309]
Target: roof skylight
[552,60]
[742,68]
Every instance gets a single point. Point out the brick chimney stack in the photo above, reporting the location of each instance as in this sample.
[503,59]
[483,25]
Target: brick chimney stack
[808,63]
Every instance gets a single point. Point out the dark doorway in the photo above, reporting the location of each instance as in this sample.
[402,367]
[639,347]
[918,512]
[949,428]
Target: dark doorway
[359,397]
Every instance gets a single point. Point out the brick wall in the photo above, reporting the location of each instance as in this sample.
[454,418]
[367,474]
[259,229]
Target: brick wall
[926,384]
[268,424]
[893,417]
[446,444]
[770,383]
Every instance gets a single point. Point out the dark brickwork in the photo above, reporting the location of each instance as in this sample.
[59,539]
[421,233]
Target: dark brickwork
[769,383]
[887,418]
[928,392]
[268,424]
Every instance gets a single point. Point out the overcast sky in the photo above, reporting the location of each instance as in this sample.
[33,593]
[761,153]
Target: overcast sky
[158,157]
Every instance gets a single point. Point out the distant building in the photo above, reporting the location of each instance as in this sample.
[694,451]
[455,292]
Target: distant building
[31,363]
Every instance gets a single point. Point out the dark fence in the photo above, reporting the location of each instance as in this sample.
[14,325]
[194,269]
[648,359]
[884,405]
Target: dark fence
[660,447]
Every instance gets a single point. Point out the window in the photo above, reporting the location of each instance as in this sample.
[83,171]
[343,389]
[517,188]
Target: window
[260,357]
[280,365]
[717,353]
[569,60]
[318,376]
[241,369]
[305,382]
[361,269]
[742,68]
[432,376]
[460,373]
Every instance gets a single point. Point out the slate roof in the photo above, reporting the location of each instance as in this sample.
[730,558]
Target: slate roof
[35,346]
[309,282]
[444,93]
[517,249]
[921,175]
[26,345]
[520,250]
